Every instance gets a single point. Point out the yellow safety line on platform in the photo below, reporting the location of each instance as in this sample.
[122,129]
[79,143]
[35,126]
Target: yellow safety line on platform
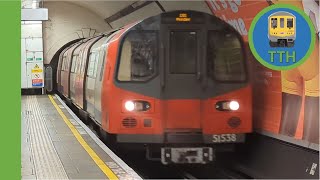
[104,168]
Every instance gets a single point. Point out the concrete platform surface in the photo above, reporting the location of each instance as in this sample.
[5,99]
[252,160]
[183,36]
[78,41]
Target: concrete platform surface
[57,145]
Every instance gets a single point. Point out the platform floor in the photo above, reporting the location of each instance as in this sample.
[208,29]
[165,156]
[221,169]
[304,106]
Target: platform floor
[57,145]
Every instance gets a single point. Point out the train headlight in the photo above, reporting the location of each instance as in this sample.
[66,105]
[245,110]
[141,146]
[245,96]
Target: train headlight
[137,105]
[227,105]
[234,105]
[129,105]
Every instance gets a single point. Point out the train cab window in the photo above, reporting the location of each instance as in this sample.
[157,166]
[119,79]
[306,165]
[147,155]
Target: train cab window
[138,57]
[290,23]
[183,52]
[281,22]
[274,22]
[225,57]
[73,65]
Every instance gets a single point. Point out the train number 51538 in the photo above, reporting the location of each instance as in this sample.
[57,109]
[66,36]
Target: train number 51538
[224,138]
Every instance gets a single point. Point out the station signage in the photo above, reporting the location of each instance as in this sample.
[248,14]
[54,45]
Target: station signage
[36,73]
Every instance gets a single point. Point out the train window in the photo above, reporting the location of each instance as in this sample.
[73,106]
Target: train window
[74,60]
[103,62]
[290,22]
[225,57]
[81,69]
[79,62]
[76,64]
[281,22]
[63,63]
[60,64]
[68,64]
[81,65]
[274,22]
[138,56]
[183,52]
[91,64]
[96,65]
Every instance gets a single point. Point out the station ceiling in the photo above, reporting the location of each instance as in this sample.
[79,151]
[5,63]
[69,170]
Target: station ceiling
[103,8]
[111,10]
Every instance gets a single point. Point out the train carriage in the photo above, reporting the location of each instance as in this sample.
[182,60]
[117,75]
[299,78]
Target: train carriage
[176,83]
[94,77]
[81,71]
[75,61]
[61,69]
[64,69]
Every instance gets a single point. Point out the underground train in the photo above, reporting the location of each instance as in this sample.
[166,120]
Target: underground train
[175,83]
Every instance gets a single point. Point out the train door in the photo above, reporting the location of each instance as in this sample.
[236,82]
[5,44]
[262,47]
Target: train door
[90,81]
[98,84]
[73,59]
[92,76]
[182,77]
[81,72]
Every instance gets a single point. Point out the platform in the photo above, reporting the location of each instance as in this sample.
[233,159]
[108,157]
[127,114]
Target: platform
[57,145]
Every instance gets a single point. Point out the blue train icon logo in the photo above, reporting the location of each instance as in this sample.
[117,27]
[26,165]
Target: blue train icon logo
[282,29]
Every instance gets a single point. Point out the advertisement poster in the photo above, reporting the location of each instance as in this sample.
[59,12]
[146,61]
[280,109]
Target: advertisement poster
[286,101]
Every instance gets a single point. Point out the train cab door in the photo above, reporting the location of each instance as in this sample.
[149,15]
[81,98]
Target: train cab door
[181,71]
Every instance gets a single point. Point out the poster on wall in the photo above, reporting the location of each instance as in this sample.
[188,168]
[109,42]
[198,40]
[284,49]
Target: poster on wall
[286,99]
